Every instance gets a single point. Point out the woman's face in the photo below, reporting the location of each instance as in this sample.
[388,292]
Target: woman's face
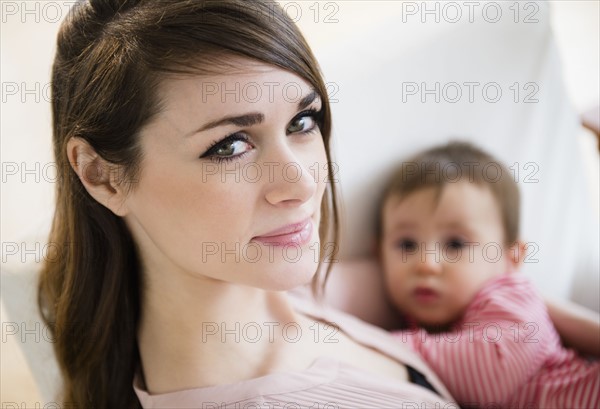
[232,178]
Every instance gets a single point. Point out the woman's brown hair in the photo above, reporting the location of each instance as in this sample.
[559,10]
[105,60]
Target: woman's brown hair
[110,57]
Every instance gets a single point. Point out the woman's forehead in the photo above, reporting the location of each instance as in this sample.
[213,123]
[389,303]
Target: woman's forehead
[254,83]
[258,88]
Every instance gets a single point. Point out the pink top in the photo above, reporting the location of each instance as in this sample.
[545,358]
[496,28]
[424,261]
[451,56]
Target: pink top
[326,384]
[505,352]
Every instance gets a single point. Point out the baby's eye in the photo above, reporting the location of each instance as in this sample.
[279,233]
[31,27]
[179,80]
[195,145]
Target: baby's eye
[455,244]
[406,245]
[303,123]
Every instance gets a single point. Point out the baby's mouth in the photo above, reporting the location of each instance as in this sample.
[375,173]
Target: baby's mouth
[426,295]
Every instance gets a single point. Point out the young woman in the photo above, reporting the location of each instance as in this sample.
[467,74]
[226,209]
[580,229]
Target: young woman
[193,144]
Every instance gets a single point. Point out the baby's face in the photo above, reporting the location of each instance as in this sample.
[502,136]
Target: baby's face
[436,258]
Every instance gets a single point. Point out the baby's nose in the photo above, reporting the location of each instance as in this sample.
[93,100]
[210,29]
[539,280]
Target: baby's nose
[429,259]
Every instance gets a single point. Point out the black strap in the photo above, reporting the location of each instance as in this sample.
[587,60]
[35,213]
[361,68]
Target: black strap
[418,378]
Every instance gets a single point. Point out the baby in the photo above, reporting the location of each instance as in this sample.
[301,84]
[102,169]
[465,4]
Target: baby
[450,250]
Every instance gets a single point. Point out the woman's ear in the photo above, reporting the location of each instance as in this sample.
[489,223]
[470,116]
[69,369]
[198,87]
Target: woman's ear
[516,255]
[99,177]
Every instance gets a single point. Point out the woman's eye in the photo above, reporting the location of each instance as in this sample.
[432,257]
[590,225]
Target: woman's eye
[406,245]
[305,122]
[230,148]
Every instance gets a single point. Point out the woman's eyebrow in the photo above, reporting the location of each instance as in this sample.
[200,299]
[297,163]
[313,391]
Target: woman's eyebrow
[252,118]
[238,120]
[307,100]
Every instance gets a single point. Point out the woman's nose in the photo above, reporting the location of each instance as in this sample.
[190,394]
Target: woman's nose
[290,183]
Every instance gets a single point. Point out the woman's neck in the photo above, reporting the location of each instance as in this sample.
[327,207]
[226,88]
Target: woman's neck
[199,332]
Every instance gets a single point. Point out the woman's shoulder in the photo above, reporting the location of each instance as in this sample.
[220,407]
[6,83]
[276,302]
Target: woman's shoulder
[359,330]
[364,334]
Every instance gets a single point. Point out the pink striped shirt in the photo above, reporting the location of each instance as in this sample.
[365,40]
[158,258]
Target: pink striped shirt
[505,352]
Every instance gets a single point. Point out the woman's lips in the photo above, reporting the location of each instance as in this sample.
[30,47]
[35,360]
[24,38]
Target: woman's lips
[293,234]
[425,295]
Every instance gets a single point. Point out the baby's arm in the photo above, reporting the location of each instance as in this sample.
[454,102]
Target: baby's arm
[502,344]
[578,327]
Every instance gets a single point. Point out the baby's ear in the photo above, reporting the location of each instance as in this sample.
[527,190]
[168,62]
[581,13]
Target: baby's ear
[516,255]
[375,247]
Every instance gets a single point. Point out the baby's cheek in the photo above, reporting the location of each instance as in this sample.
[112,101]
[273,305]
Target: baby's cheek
[392,263]
[464,295]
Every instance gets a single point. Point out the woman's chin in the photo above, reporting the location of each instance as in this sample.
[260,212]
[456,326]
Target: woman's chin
[290,275]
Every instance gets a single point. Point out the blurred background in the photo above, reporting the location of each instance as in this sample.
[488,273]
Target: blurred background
[28,34]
